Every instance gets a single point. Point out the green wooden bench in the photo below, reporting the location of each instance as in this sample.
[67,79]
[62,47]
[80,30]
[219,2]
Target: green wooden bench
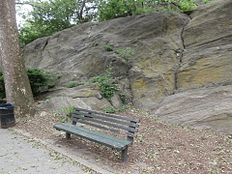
[87,123]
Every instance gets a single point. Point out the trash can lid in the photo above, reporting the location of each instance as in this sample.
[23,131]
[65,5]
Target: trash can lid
[6,106]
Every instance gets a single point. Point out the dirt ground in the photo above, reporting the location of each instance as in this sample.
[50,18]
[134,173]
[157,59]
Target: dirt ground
[159,147]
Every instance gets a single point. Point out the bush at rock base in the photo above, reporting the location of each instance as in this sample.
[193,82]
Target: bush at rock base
[40,82]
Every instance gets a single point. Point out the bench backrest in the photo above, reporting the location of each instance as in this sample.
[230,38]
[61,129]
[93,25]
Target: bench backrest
[109,122]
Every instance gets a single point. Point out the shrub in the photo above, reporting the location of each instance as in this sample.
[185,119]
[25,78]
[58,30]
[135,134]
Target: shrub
[187,5]
[109,9]
[117,8]
[40,82]
[107,85]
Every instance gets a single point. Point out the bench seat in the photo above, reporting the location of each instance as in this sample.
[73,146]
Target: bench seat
[102,128]
[99,137]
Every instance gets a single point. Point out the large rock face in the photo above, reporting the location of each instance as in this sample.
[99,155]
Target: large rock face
[144,55]
[168,63]
[207,58]
[204,108]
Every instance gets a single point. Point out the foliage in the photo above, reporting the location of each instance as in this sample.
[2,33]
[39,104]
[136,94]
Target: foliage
[108,47]
[69,110]
[187,5]
[125,53]
[72,84]
[111,109]
[40,82]
[65,114]
[106,84]
[48,17]
[117,8]
[109,9]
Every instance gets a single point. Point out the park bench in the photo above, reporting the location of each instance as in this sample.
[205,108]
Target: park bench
[87,124]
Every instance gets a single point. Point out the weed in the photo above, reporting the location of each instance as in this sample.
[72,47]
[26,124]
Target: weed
[73,84]
[108,47]
[125,53]
[65,114]
[106,84]
[109,109]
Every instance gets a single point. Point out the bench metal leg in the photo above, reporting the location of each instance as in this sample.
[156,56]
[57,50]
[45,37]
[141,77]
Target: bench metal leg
[68,136]
[124,155]
[130,138]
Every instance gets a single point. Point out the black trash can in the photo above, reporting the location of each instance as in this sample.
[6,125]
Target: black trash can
[7,118]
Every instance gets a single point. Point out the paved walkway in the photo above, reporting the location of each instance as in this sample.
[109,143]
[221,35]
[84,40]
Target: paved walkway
[20,155]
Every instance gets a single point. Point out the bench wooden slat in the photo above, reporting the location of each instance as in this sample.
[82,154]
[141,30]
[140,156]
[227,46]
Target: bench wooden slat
[87,120]
[99,117]
[108,115]
[106,128]
[95,136]
[97,126]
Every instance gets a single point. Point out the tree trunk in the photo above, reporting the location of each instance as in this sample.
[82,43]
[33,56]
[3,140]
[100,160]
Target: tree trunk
[17,86]
[82,6]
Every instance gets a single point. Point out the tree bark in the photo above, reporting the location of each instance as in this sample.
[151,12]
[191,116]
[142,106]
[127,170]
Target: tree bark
[17,86]
[81,10]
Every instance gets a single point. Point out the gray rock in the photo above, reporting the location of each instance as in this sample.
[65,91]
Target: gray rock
[161,60]
[209,107]
[116,101]
[208,42]
[143,52]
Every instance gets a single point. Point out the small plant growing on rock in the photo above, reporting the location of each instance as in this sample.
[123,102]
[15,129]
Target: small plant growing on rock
[125,53]
[65,114]
[110,110]
[68,110]
[72,84]
[106,84]
[108,47]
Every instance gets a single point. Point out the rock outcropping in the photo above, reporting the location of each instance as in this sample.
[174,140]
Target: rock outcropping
[176,66]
